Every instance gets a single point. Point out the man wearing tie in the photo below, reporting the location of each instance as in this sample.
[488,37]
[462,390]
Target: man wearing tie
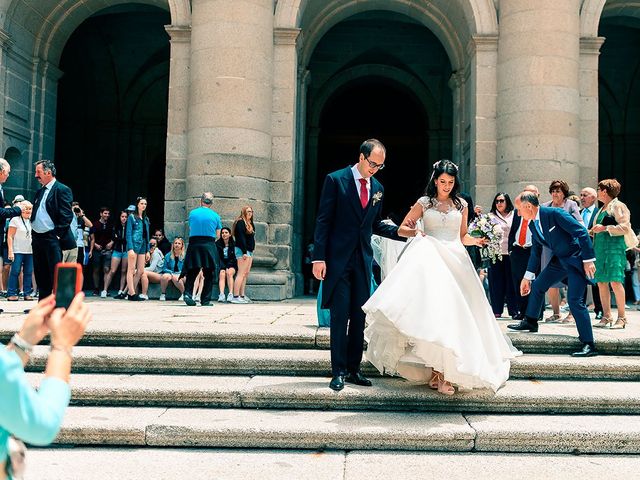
[50,222]
[349,212]
[588,197]
[572,262]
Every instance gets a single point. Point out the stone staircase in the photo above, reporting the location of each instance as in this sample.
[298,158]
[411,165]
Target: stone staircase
[229,383]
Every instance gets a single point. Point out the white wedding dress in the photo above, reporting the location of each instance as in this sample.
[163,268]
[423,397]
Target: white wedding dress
[431,312]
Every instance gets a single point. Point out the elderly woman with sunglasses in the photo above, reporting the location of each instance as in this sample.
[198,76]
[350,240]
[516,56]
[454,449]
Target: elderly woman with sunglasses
[559,190]
[501,286]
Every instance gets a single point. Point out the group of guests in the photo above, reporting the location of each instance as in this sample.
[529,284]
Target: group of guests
[608,225]
[127,249]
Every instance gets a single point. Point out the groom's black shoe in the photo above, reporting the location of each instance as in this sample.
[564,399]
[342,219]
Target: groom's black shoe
[358,379]
[337,383]
[524,326]
[588,350]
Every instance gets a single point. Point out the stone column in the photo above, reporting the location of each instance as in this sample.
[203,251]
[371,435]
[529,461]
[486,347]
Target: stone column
[455,84]
[230,115]
[538,94]
[589,133]
[177,123]
[285,242]
[230,106]
[481,105]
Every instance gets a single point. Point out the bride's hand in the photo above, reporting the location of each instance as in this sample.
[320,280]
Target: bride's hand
[481,242]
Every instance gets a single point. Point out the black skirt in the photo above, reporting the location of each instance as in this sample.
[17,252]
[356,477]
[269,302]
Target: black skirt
[201,253]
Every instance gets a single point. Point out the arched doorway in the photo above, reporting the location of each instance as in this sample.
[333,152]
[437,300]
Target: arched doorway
[619,106]
[111,124]
[377,74]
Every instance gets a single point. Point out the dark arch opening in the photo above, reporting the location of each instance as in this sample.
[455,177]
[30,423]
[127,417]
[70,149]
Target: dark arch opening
[112,109]
[396,119]
[404,101]
[619,107]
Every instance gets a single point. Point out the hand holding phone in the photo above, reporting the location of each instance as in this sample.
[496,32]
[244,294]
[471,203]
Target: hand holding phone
[67,282]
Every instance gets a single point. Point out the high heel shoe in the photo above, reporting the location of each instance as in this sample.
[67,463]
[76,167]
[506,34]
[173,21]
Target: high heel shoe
[604,321]
[620,324]
[445,387]
[434,380]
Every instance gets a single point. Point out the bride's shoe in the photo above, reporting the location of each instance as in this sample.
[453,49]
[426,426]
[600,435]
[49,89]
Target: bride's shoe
[433,383]
[445,387]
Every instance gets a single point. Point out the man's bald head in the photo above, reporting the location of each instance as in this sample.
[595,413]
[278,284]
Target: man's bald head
[532,189]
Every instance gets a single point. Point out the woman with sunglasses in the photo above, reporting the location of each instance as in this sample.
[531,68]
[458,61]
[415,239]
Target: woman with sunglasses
[500,284]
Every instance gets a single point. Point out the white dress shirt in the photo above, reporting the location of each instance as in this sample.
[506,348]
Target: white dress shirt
[42,223]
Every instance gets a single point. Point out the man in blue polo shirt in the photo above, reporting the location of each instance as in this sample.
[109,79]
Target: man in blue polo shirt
[204,228]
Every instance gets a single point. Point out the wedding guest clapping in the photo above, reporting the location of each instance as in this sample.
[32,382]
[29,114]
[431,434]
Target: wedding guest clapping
[612,236]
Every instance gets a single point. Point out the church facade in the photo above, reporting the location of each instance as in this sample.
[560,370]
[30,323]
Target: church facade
[256,100]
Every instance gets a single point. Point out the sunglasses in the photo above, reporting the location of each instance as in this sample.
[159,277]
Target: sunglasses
[500,200]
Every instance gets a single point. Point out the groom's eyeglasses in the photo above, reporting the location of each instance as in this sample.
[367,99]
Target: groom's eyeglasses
[379,166]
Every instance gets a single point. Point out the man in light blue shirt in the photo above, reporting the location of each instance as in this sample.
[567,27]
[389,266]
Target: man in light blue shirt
[204,228]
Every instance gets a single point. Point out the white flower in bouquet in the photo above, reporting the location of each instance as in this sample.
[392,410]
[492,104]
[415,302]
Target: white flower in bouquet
[486,228]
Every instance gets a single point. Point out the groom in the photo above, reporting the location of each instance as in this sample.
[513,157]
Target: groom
[572,262]
[348,214]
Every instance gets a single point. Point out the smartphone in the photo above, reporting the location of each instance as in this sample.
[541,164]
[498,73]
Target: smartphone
[67,282]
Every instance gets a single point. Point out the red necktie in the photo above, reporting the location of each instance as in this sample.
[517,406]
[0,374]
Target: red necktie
[522,238]
[364,195]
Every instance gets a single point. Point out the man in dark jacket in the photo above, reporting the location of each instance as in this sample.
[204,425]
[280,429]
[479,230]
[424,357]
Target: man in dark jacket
[348,214]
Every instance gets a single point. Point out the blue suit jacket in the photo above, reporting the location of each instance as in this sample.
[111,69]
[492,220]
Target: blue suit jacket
[565,236]
[342,226]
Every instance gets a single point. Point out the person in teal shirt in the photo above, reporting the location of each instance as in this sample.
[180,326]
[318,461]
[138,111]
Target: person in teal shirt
[29,415]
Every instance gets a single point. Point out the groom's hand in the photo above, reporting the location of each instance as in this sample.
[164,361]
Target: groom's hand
[319,270]
[525,287]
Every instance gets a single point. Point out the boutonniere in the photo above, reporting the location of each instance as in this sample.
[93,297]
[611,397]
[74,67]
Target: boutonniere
[377,197]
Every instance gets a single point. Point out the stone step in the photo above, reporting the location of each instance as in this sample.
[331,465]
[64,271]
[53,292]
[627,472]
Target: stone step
[237,335]
[127,463]
[387,394]
[313,429]
[227,361]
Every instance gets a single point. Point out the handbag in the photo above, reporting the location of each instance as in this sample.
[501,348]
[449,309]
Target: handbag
[609,220]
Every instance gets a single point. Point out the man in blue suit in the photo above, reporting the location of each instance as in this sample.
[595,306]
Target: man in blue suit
[572,262]
[348,214]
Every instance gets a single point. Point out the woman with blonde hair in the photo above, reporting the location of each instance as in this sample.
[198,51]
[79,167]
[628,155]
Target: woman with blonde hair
[612,236]
[173,262]
[244,234]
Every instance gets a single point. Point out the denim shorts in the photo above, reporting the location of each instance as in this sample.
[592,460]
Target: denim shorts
[239,253]
[119,255]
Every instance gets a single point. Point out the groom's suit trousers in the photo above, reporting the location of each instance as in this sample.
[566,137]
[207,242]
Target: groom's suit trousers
[553,273]
[347,318]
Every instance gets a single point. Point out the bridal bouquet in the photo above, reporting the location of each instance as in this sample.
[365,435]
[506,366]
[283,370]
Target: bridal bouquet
[485,227]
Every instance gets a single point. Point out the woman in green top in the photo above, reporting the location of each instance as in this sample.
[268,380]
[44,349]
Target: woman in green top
[612,236]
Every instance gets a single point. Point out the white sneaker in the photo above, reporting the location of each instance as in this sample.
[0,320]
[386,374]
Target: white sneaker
[144,297]
[163,298]
[103,294]
[236,300]
[181,299]
[221,297]
[196,298]
[229,297]
[246,299]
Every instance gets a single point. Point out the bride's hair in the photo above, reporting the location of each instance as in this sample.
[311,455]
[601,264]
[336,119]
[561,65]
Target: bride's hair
[450,168]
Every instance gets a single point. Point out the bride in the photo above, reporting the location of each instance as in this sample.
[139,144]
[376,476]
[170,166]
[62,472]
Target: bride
[429,321]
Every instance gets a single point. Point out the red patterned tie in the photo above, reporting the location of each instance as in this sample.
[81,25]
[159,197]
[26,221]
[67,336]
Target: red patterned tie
[522,238]
[364,195]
